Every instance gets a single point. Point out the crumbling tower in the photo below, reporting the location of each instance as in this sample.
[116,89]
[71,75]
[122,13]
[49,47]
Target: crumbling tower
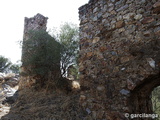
[38,22]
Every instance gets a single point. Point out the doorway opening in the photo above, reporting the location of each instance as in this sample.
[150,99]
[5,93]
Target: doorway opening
[140,100]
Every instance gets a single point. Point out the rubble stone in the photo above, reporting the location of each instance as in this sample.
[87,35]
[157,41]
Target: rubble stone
[121,65]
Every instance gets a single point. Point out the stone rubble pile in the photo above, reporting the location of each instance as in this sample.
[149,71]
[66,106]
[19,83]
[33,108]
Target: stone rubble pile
[8,83]
[8,91]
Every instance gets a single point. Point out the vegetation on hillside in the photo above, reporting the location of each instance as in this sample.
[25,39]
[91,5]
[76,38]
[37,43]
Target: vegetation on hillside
[4,64]
[7,66]
[15,68]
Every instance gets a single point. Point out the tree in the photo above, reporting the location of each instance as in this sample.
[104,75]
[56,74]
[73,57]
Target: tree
[14,68]
[4,64]
[69,39]
[41,56]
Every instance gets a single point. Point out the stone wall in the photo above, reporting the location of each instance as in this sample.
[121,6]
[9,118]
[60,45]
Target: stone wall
[38,22]
[119,56]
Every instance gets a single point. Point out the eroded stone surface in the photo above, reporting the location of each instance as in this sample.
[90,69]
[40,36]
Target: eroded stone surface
[119,53]
[38,22]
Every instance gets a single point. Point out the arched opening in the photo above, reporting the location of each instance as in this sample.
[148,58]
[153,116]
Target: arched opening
[156,101]
[140,99]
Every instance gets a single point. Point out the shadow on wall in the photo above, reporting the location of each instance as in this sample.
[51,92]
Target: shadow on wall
[140,99]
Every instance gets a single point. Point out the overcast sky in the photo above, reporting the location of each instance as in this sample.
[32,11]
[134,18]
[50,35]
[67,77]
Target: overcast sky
[12,20]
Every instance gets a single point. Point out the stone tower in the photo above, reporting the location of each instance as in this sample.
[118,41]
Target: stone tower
[38,22]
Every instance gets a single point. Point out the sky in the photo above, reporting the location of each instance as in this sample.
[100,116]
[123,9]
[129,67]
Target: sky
[12,20]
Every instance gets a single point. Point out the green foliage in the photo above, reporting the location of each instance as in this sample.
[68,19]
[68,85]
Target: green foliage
[69,39]
[4,64]
[14,68]
[41,54]
[156,101]
[73,71]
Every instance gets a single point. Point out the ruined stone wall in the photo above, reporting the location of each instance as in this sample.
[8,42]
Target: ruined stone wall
[38,22]
[119,56]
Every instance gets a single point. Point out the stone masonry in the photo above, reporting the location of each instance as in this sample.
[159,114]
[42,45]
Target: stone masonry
[119,57]
[38,22]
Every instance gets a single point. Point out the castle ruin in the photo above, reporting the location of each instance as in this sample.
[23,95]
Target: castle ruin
[119,56]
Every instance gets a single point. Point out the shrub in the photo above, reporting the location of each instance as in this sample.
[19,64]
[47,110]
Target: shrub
[14,68]
[41,56]
[4,64]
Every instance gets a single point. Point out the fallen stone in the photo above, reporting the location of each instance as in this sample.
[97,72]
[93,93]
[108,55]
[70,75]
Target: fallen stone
[100,88]
[124,92]
[130,84]
[128,16]
[156,10]
[151,62]
[119,24]
[96,39]
[138,17]
[95,10]
[147,20]
[157,4]
[147,33]
[12,99]
[122,8]
[88,110]
[157,31]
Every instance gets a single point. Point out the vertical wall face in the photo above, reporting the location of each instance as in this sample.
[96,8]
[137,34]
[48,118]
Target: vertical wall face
[38,22]
[120,46]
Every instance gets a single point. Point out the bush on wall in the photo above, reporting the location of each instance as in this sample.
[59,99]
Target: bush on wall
[41,56]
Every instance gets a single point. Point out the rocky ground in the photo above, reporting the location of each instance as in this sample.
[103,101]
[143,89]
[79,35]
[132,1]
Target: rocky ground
[44,105]
[30,104]
[8,95]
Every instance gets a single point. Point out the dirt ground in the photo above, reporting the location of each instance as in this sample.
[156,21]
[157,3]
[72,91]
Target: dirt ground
[42,105]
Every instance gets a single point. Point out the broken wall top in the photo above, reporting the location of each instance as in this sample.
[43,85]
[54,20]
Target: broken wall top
[38,22]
